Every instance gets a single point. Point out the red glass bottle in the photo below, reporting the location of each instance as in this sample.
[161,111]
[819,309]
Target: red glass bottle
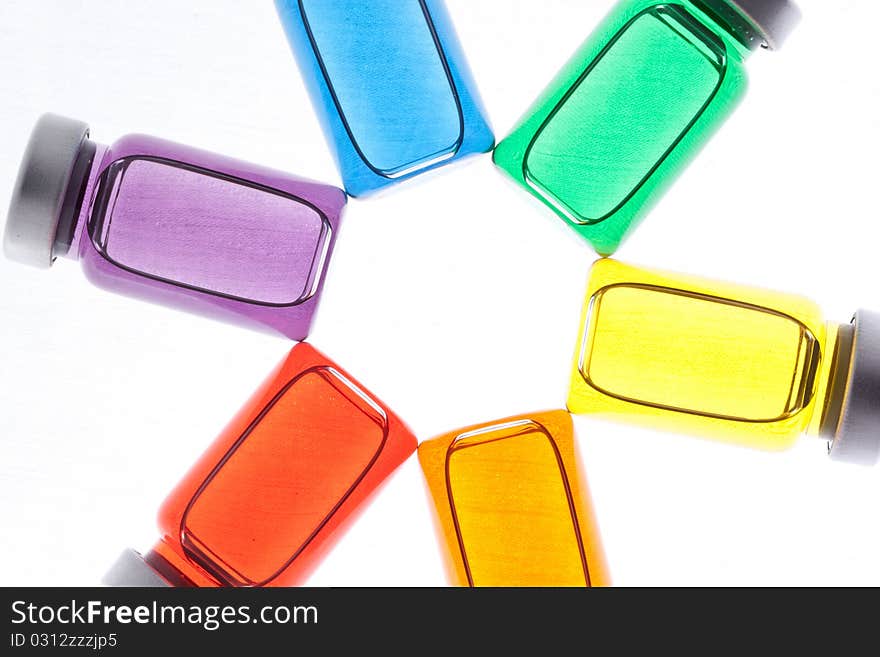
[279,485]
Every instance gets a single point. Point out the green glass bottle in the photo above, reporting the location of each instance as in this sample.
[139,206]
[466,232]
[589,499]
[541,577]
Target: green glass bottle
[634,105]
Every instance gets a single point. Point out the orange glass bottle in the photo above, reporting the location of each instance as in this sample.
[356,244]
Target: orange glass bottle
[511,505]
[273,492]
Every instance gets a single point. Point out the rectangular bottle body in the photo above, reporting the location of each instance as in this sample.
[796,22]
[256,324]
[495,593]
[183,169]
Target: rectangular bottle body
[208,234]
[279,485]
[625,116]
[390,85]
[512,506]
[698,357]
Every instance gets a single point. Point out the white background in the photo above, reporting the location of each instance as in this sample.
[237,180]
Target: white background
[454,297]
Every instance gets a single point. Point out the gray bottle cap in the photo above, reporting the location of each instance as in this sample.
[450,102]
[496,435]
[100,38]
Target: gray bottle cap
[130,569]
[40,189]
[771,20]
[857,435]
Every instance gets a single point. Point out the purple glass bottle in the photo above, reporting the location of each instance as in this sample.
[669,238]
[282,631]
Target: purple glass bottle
[175,225]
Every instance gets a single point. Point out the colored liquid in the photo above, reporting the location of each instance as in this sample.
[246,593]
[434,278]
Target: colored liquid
[700,357]
[513,509]
[389,79]
[512,502]
[283,479]
[192,227]
[282,482]
[699,354]
[625,114]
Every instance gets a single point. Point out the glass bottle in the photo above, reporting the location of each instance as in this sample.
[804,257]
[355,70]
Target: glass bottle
[279,485]
[634,105]
[745,365]
[175,225]
[511,505]
[390,84]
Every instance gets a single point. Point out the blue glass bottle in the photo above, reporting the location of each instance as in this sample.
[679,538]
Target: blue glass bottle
[390,84]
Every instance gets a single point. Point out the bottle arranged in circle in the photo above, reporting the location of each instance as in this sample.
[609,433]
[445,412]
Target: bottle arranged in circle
[175,225]
[634,105]
[279,485]
[745,365]
[390,84]
[512,507]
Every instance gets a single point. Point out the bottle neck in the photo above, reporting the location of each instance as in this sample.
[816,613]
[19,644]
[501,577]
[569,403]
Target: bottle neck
[729,19]
[77,200]
[130,569]
[176,569]
[831,406]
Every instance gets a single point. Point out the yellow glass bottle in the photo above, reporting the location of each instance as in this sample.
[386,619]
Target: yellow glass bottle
[741,364]
[511,505]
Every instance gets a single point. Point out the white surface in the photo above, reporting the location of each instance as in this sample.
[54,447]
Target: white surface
[455,297]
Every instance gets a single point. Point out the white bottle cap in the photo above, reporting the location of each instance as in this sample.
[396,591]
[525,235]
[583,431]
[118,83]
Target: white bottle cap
[40,191]
[856,435]
[771,20]
[130,569]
